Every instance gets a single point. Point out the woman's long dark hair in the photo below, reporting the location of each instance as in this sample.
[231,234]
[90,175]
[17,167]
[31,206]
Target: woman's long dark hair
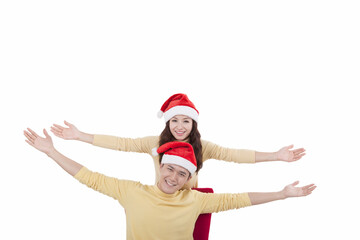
[193,138]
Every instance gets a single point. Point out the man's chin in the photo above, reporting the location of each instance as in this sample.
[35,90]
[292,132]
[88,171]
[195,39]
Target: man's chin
[169,189]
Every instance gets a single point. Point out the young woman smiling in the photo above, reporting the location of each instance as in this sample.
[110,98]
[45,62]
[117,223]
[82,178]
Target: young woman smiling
[181,119]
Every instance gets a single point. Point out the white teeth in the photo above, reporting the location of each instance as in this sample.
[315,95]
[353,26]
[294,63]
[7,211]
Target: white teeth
[170,183]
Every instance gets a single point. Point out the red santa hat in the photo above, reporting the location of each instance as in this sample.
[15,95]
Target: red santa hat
[179,153]
[178,104]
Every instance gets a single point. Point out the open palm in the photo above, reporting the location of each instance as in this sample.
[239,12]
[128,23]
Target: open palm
[44,145]
[70,133]
[288,155]
[292,191]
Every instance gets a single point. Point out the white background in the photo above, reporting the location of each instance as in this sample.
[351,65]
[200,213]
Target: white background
[263,74]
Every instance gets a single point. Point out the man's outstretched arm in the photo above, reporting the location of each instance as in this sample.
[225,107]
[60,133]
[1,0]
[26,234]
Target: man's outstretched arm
[46,146]
[289,191]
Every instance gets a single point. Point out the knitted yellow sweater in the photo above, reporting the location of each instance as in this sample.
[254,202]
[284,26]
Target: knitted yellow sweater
[146,144]
[152,214]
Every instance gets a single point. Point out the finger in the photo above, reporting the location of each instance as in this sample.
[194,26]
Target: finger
[67,123]
[308,186]
[55,130]
[299,156]
[32,132]
[58,134]
[309,190]
[58,126]
[311,187]
[30,143]
[298,151]
[29,136]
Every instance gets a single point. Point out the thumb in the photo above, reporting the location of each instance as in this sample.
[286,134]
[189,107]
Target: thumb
[67,123]
[295,183]
[46,133]
[290,146]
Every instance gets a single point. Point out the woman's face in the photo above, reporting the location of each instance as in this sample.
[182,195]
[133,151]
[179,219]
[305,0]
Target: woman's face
[180,126]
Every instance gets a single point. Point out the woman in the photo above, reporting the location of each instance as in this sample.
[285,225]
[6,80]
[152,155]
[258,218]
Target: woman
[181,118]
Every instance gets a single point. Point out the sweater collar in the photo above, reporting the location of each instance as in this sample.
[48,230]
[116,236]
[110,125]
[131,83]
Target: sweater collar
[165,195]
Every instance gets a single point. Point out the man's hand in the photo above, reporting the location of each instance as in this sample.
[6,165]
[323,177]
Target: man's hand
[292,191]
[44,145]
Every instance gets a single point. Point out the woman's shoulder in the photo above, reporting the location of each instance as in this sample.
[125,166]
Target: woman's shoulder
[206,143]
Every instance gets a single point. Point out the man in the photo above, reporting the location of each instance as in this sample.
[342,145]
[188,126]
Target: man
[162,211]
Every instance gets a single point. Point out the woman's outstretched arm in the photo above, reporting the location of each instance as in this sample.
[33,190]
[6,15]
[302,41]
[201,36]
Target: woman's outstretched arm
[286,154]
[71,133]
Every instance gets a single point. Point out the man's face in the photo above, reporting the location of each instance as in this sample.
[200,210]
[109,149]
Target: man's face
[172,178]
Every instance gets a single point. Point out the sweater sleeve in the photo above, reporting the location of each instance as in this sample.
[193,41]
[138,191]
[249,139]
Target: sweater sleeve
[112,187]
[218,202]
[140,145]
[213,151]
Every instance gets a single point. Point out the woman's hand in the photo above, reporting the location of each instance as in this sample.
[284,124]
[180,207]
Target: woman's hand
[288,155]
[70,133]
[44,145]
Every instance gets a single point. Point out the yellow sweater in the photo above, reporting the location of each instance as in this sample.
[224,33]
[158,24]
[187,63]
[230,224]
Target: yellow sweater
[146,144]
[152,214]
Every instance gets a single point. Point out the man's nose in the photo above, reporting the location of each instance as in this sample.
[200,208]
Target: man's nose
[173,176]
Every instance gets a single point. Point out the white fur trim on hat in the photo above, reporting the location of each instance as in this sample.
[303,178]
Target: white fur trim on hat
[154,151]
[173,159]
[181,110]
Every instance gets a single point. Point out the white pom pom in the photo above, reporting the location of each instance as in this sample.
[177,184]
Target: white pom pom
[154,152]
[160,114]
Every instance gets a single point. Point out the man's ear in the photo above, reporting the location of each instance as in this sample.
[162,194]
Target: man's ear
[189,178]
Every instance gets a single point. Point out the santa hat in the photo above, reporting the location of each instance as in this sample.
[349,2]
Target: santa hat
[178,104]
[179,153]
